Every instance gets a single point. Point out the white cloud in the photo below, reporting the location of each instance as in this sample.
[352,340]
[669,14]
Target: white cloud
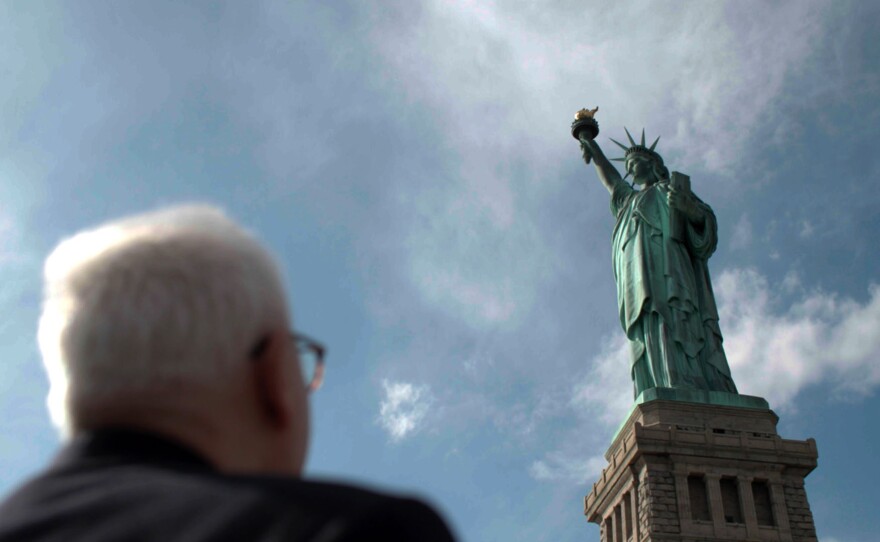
[574,468]
[807,229]
[820,339]
[403,409]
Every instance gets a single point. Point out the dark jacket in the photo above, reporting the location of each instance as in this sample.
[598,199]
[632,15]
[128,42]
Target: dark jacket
[121,485]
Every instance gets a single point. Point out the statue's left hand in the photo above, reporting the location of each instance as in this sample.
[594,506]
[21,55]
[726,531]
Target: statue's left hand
[684,203]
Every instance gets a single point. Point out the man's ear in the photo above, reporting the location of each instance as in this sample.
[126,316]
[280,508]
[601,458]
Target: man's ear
[271,370]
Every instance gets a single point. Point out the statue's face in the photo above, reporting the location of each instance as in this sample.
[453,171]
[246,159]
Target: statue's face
[641,168]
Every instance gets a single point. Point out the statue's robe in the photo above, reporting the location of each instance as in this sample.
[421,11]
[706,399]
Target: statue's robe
[664,294]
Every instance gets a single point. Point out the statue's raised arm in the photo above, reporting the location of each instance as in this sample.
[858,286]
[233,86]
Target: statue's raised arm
[608,174]
[585,129]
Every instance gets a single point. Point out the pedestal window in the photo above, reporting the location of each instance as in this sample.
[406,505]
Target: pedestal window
[618,524]
[699,498]
[763,503]
[730,501]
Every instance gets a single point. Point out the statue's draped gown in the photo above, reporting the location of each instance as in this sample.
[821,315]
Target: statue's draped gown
[664,294]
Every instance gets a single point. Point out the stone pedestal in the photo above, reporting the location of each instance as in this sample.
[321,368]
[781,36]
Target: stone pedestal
[690,472]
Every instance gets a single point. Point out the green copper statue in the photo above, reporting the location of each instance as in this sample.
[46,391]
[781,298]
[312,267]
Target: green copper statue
[661,243]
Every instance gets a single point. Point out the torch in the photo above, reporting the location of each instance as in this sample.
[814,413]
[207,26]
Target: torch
[585,126]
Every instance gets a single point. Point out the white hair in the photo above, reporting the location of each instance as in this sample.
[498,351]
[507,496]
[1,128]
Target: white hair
[175,295]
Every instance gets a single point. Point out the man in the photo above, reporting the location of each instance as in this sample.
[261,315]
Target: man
[179,388]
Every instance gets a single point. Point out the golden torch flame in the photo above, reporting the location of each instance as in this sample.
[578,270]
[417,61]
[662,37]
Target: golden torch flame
[585,113]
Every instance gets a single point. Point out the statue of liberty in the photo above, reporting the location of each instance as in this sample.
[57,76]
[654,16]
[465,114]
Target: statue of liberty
[661,243]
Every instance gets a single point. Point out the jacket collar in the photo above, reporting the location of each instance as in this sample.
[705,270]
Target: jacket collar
[126,445]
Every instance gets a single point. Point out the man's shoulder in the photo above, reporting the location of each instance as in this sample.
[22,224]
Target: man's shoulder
[332,496]
[349,512]
[165,504]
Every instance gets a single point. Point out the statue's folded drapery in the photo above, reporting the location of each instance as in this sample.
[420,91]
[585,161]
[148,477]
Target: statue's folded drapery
[664,293]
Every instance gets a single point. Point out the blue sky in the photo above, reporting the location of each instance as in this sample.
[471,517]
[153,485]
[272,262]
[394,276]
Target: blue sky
[410,164]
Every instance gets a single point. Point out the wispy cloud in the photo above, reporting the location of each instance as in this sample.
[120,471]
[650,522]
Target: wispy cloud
[496,101]
[606,391]
[6,241]
[741,238]
[403,408]
[705,72]
[576,468]
[466,263]
[598,402]
[807,229]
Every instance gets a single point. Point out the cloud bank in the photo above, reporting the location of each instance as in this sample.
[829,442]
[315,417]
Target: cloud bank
[821,338]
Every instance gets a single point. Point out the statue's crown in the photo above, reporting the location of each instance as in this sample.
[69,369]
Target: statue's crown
[638,148]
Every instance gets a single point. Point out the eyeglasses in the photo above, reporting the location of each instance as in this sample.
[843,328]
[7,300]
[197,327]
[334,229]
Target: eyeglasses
[311,358]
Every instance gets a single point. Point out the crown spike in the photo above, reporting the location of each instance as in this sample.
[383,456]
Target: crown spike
[643,137]
[619,144]
[619,159]
[633,143]
[654,144]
